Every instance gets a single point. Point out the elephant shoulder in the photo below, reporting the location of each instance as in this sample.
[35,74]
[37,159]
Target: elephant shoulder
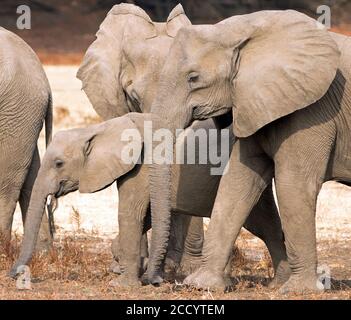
[344,44]
[19,60]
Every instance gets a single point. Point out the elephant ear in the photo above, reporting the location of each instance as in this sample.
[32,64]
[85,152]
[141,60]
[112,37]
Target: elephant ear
[176,20]
[283,61]
[100,69]
[106,150]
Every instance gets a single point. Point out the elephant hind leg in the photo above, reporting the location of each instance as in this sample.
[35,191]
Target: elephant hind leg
[264,222]
[297,201]
[185,244]
[298,180]
[45,239]
[7,208]
[193,243]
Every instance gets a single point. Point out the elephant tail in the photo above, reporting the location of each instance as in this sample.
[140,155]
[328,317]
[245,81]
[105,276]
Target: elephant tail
[48,121]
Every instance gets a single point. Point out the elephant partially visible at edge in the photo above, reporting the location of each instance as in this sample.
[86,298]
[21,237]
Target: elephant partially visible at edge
[25,103]
[287,81]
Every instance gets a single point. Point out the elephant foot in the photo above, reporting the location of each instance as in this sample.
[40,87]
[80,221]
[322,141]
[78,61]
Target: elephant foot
[170,269]
[282,275]
[115,267]
[124,281]
[155,280]
[207,279]
[189,265]
[276,283]
[298,284]
[152,277]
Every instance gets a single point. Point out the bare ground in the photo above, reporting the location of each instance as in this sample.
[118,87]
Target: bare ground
[77,268]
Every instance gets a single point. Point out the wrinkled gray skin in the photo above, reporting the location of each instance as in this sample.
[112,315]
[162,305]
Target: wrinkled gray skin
[291,93]
[89,159]
[120,74]
[25,102]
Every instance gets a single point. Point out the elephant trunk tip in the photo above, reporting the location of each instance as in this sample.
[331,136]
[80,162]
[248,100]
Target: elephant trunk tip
[15,271]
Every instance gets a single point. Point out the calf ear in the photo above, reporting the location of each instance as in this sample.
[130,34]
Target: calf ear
[110,150]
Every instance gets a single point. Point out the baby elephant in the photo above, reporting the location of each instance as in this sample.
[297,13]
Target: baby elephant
[90,159]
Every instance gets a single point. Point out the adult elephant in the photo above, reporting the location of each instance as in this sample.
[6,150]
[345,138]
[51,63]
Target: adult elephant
[282,76]
[25,102]
[120,74]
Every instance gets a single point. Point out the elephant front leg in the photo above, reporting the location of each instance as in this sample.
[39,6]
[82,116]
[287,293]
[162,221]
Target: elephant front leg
[116,267]
[129,245]
[132,211]
[240,188]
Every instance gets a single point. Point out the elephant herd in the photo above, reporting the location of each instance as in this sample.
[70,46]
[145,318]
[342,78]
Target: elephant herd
[277,81]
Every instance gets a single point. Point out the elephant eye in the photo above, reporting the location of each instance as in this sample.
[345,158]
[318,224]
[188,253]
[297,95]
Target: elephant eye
[59,163]
[193,80]
[193,77]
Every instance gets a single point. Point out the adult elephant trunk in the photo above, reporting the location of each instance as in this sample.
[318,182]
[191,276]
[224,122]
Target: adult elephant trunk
[160,196]
[32,224]
[160,181]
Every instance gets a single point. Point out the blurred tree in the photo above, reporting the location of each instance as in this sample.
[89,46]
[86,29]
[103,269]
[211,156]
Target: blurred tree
[199,11]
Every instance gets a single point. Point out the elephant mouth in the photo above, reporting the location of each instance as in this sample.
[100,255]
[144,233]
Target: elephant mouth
[66,187]
[203,113]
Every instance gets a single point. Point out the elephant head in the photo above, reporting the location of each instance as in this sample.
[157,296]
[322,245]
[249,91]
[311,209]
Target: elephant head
[88,159]
[121,68]
[261,67]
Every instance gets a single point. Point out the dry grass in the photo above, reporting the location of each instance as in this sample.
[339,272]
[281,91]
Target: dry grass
[63,118]
[61,113]
[77,268]
[89,119]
